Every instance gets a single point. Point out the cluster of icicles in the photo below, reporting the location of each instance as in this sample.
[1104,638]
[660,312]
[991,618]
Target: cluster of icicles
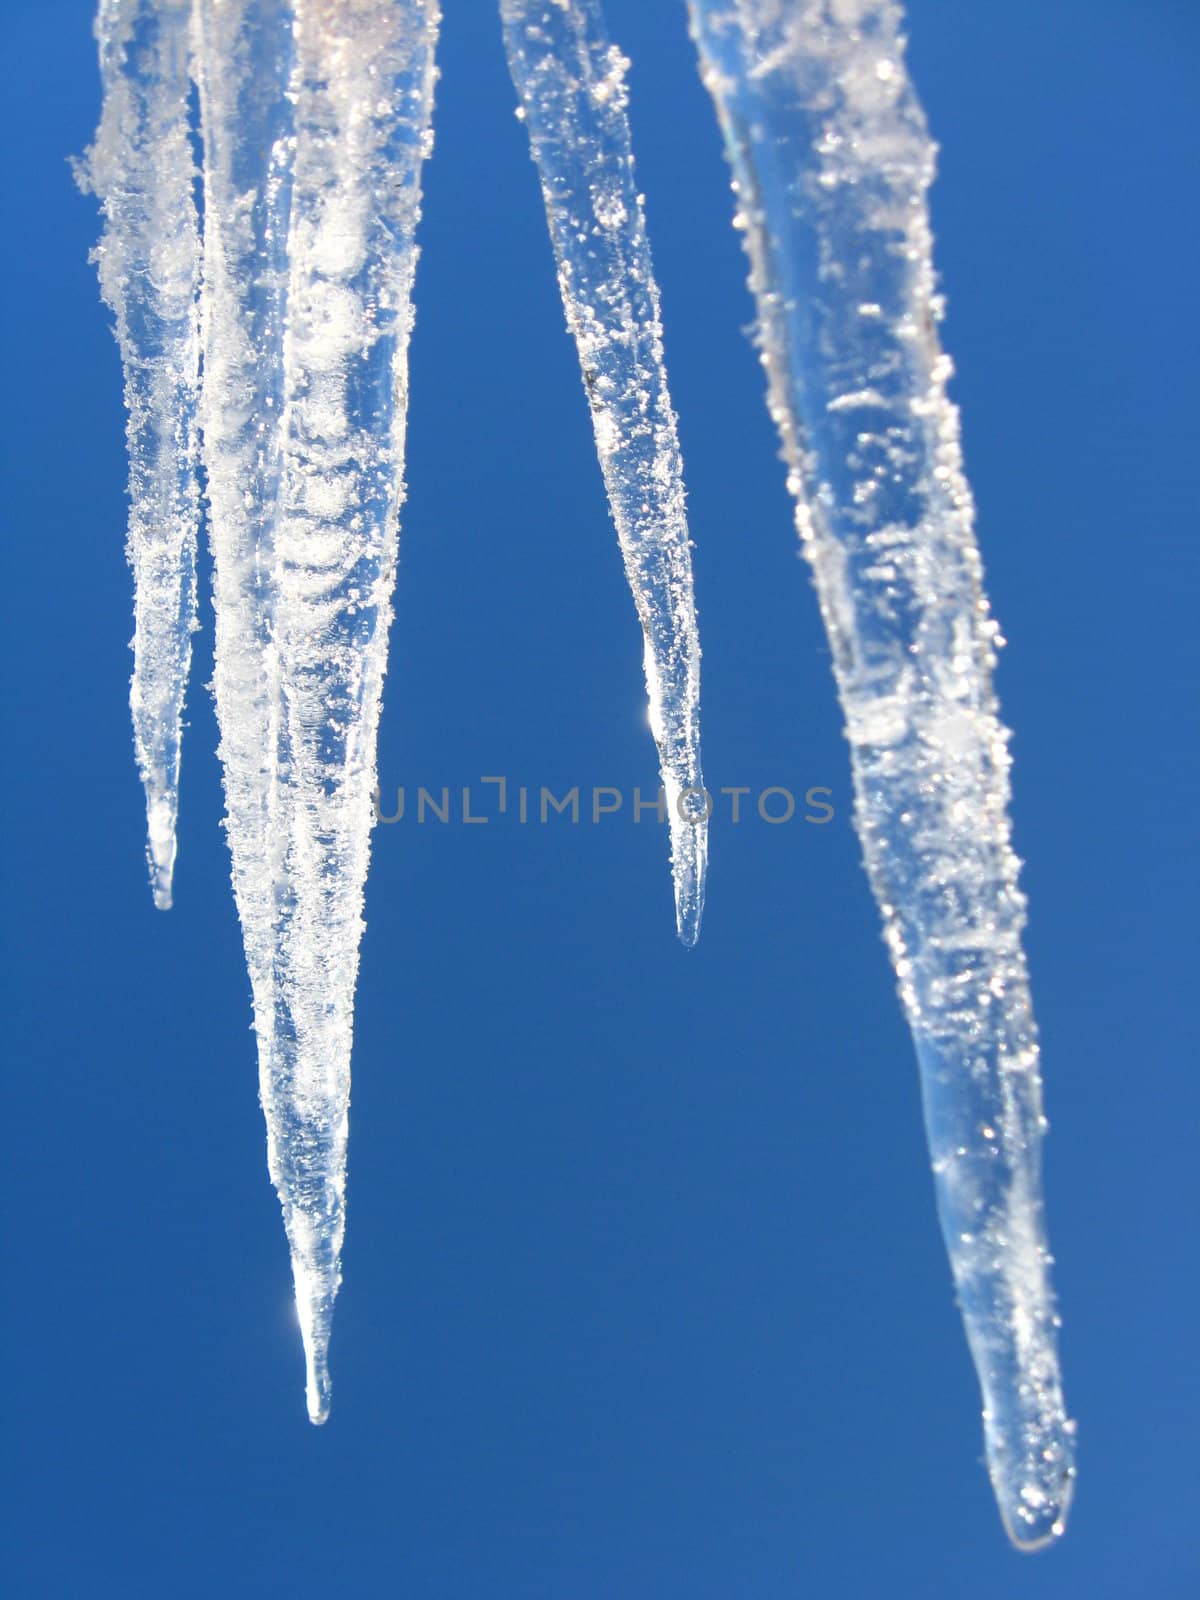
[267,344]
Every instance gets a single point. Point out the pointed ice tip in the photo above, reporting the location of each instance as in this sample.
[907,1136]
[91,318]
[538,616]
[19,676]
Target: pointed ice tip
[315,1292]
[160,888]
[689,864]
[687,922]
[1041,1522]
[318,1391]
[160,850]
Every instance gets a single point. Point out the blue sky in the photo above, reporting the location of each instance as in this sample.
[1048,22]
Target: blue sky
[644,1291]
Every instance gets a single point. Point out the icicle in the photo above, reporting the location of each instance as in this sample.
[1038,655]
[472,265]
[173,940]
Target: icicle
[832,161]
[364,102]
[316,121]
[571,83]
[141,169]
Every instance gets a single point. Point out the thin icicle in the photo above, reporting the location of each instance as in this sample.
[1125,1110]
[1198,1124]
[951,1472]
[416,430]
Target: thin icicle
[141,168]
[573,97]
[316,121]
[832,161]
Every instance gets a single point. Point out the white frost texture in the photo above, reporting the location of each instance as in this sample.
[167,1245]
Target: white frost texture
[314,118]
[141,169]
[264,337]
[832,161]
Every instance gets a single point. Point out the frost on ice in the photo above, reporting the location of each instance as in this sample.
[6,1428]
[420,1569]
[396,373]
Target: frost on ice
[832,161]
[277,335]
[270,346]
[571,83]
[141,169]
[314,119]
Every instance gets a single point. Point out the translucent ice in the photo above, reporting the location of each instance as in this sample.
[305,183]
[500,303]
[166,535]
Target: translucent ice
[277,334]
[141,169]
[571,82]
[832,161]
[315,120]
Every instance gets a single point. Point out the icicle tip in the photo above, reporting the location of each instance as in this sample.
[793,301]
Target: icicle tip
[160,888]
[1051,1525]
[314,1310]
[689,864]
[318,1389]
[160,851]
[1037,1518]
[317,1393]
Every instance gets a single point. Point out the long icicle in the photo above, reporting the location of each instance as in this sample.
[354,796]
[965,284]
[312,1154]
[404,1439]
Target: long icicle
[316,121]
[832,162]
[363,111]
[571,85]
[141,168]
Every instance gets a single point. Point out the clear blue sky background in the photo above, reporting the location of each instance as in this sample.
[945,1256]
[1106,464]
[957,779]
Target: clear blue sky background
[644,1294]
